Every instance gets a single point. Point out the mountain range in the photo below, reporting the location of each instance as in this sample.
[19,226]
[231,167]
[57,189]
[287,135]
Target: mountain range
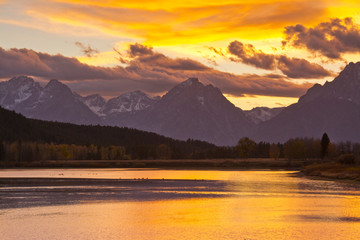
[333,108]
[197,111]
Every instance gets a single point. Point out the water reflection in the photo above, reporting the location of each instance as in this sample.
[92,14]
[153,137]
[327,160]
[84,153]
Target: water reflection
[39,192]
[225,205]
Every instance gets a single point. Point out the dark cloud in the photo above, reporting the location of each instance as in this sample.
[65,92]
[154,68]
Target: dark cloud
[146,70]
[146,55]
[139,50]
[253,84]
[300,68]
[87,50]
[331,39]
[246,53]
[291,67]
[28,62]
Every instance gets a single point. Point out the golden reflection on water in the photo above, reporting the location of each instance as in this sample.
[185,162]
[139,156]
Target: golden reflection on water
[231,218]
[266,205]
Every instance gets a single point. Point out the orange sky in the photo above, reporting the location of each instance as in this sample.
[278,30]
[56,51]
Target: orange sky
[196,30]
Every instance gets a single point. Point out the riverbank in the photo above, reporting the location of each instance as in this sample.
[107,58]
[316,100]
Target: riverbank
[332,171]
[253,163]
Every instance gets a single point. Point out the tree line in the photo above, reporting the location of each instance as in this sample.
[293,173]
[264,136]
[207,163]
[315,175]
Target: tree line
[296,148]
[23,139]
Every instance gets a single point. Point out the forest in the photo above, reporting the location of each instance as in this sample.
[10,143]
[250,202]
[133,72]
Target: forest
[28,140]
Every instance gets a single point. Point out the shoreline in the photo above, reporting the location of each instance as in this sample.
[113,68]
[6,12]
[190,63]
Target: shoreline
[186,164]
[332,171]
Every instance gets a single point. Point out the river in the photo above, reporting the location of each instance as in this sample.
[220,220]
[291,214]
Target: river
[175,204]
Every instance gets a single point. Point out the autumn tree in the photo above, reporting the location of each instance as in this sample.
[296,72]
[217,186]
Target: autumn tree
[245,147]
[274,151]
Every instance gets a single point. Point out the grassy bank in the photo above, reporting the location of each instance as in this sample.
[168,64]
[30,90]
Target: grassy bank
[333,171]
[252,163]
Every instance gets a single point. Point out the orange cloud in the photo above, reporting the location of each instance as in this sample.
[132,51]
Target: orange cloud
[167,23]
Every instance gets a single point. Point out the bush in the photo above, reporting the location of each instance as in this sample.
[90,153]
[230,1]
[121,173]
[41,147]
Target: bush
[347,159]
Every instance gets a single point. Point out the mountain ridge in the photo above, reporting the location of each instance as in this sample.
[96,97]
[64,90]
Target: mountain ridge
[333,108]
[192,110]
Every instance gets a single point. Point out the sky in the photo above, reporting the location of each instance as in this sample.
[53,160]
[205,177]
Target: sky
[259,53]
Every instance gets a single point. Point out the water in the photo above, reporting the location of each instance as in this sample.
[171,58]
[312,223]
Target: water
[175,204]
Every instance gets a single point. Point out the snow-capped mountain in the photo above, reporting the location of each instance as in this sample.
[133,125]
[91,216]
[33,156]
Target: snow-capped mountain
[333,108]
[262,114]
[197,111]
[95,102]
[189,110]
[19,93]
[55,101]
[128,102]
[193,110]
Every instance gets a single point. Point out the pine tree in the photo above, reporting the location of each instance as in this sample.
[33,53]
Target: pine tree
[325,141]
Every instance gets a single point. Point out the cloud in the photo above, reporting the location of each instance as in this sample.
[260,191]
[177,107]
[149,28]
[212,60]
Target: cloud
[246,53]
[87,50]
[331,39]
[140,50]
[146,70]
[300,68]
[291,67]
[162,22]
[145,55]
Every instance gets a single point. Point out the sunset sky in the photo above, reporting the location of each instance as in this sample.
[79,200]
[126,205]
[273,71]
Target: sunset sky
[259,53]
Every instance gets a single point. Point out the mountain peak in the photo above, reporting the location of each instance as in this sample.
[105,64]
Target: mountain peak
[55,84]
[352,65]
[345,86]
[351,73]
[128,102]
[190,82]
[21,80]
[94,98]
[133,94]
[96,95]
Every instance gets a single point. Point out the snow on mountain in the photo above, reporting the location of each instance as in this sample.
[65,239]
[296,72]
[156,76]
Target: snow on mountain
[95,102]
[55,101]
[197,111]
[262,114]
[128,102]
[189,110]
[17,91]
